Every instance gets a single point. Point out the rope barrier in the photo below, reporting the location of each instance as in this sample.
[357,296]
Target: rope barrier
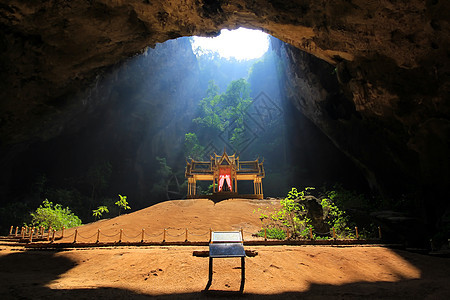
[153,235]
[85,238]
[132,237]
[39,232]
[110,236]
[69,235]
[196,234]
[175,235]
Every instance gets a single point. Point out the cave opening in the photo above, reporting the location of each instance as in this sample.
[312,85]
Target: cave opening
[240,44]
[146,119]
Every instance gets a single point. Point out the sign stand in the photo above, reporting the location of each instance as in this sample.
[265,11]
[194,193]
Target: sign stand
[226,244]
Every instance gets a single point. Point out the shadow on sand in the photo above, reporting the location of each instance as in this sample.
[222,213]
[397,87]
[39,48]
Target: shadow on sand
[28,273]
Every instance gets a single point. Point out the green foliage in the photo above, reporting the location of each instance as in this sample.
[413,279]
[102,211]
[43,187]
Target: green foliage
[334,203]
[122,203]
[55,216]
[291,215]
[192,147]
[334,216]
[348,199]
[273,233]
[211,187]
[218,111]
[97,213]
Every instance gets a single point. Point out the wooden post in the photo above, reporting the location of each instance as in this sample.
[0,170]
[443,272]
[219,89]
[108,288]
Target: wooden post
[26,230]
[120,235]
[75,236]
[17,229]
[164,235]
[33,231]
[379,232]
[334,233]
[210,235]
[265,234]
[22,232]
[11,230]
[142,238]
[98,235]
[62,232]
[53,235]
[186,239]
[356,231]
[242,234]
[31,235]
[42,232]
[311,233]
[48,235]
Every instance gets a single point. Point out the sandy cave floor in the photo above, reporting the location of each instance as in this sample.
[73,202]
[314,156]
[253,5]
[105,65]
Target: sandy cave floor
[311,272]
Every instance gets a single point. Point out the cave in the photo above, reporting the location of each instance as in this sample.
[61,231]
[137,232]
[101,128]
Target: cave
[370,78]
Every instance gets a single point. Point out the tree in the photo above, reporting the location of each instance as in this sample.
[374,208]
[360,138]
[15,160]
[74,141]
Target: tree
[55,216]
[192,147]
[227,110]
[122,203]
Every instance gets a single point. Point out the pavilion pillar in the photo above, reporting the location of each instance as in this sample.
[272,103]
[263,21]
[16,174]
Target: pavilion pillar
[189,189]
[195,188]
[260,189]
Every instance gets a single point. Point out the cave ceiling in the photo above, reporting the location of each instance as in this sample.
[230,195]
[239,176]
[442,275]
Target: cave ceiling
[391,59]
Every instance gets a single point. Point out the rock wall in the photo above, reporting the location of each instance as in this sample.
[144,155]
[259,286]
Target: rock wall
[389,111]
[134,113]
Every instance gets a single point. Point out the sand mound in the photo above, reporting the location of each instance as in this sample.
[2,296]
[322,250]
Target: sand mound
[198,215]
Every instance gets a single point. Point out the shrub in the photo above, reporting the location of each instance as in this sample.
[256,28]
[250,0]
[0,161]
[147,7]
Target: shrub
[291,215]
[273,233]
[55,216]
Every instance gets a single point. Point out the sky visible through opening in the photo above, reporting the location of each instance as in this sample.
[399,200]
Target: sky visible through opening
[240,44]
